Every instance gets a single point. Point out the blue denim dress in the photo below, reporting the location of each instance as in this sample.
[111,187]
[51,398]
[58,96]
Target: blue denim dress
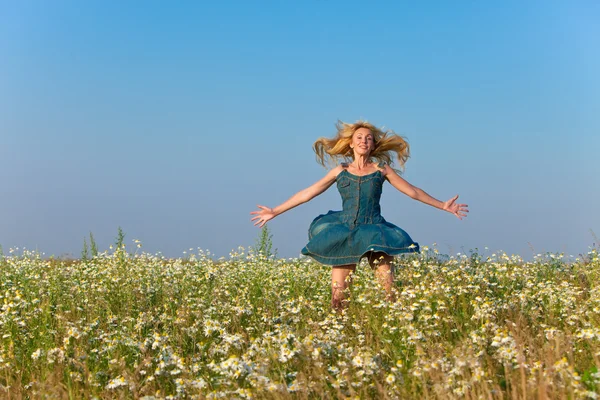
[344,237]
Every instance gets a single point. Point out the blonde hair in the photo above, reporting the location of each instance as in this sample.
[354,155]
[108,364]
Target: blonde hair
[387,142]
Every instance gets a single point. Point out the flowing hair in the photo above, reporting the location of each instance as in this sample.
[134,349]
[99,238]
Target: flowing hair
[387,144]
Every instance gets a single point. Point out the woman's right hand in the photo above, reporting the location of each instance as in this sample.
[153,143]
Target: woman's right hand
[263,215]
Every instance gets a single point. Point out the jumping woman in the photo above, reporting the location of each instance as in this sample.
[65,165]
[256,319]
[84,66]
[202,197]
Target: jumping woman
[342,238]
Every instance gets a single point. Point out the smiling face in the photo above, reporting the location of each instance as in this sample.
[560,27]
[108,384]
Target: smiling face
[363,142]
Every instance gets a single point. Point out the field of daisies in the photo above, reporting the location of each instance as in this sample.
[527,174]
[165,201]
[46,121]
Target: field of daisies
[135,325]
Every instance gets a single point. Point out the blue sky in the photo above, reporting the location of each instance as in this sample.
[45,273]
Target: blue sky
[174,120]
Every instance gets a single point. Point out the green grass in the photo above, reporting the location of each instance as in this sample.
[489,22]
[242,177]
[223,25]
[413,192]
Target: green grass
[121,325]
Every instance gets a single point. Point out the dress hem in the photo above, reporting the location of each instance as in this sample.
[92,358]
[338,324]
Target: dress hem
[355,259]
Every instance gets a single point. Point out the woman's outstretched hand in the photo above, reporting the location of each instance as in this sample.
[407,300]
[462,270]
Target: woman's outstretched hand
[460,210]
[263,215]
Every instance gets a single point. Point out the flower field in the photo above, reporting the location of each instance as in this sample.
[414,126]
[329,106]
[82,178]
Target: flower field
[123,325]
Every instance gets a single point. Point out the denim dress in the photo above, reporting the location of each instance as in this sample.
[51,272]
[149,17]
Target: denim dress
[344,237]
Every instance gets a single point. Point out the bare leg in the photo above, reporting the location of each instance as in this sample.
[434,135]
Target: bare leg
[381,263]
[341,279]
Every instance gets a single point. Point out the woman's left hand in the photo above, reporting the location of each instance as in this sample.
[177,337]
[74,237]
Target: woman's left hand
[460,210]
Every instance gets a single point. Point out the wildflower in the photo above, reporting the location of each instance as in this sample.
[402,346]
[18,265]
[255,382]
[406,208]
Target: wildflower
[294,386]
[199,383]
[116,383]
[55,354]
[357,361]
[36,354]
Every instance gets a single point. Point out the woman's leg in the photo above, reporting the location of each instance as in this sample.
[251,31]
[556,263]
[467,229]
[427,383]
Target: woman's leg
[381,263]
[341,279]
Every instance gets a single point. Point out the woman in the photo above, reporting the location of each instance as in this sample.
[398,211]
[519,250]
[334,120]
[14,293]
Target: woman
[342,238]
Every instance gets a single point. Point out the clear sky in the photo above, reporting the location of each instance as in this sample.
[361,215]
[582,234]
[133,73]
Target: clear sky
[174,119]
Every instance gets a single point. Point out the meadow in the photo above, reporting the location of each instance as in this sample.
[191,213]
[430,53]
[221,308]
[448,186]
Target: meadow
[128,324]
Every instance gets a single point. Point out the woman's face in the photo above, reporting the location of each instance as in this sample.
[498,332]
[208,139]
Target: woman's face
[363,142]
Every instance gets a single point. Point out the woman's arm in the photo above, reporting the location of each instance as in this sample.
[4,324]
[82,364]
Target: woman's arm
[460,210]
[265,213]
